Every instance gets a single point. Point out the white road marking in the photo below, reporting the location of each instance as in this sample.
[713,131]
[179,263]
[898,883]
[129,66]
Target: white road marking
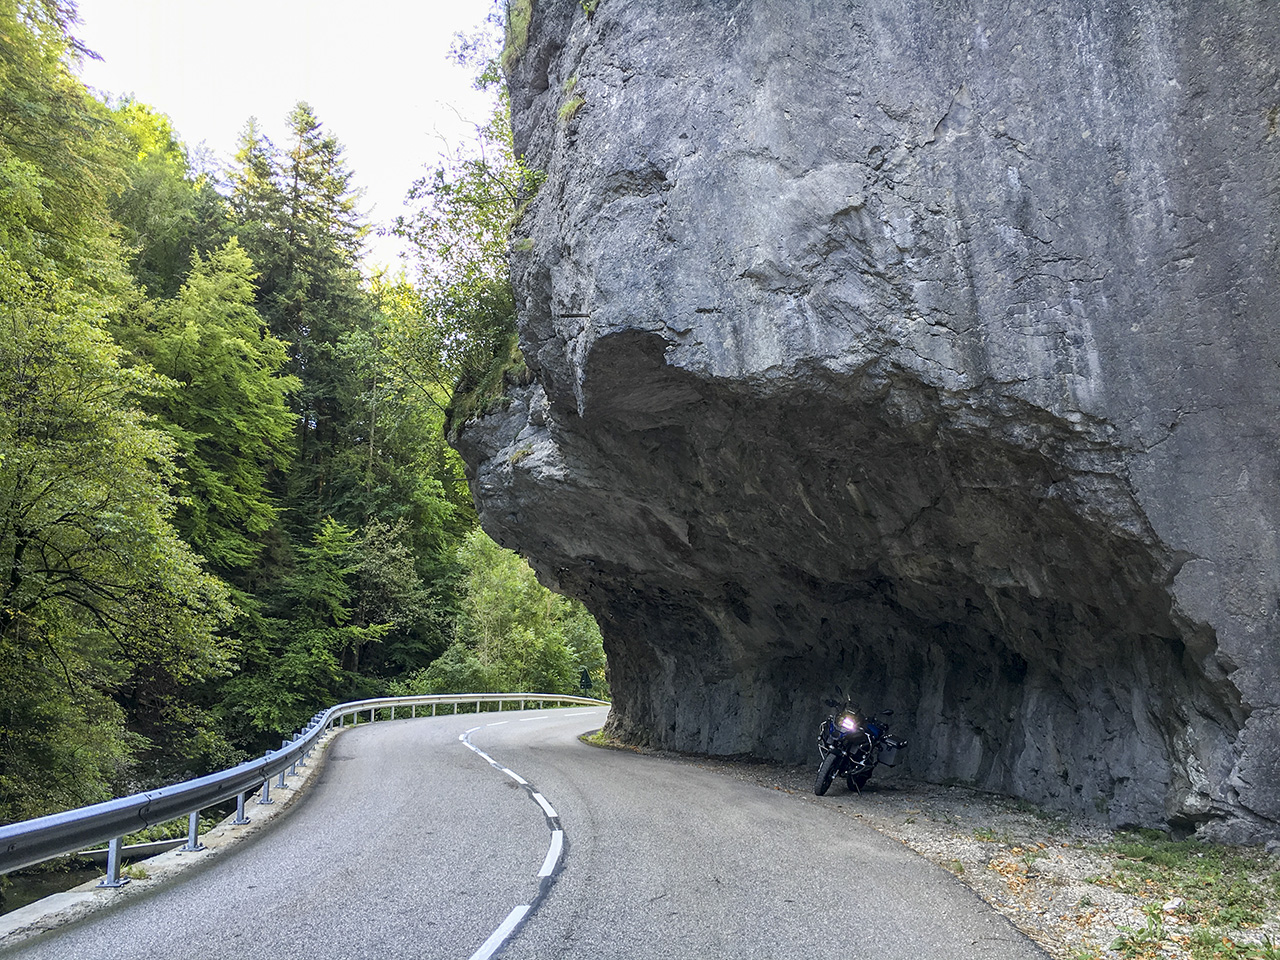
[550,863]
[553,853]
[499,936]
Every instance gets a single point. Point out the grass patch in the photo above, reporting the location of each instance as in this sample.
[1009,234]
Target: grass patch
[175,829]
[598,738]
[485,393]
[987,835]
[1205,899]
[569,109]
[519,13]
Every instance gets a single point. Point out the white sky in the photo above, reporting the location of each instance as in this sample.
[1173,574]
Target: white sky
[376,72]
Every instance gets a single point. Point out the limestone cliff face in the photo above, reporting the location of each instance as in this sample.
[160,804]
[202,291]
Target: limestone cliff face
[927,347]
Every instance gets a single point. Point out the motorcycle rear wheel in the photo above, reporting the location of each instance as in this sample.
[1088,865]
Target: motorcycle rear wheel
[826,773]
[857,781]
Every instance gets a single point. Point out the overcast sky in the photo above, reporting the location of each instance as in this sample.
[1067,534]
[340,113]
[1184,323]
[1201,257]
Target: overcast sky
[376,72]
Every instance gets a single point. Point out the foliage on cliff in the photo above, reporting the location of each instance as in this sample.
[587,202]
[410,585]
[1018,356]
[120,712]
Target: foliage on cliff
[464,211]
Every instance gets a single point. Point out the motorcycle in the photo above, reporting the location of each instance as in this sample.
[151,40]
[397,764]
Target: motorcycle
[851,745]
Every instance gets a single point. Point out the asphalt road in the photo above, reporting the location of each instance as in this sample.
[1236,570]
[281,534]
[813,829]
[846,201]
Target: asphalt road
[412,845]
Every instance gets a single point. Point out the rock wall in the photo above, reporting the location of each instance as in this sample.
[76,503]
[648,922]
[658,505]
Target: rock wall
[927,347]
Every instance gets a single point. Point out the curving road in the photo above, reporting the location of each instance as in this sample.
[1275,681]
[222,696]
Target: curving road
[412,845]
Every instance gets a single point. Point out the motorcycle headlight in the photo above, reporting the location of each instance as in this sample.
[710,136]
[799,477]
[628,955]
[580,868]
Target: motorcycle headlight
[848,723]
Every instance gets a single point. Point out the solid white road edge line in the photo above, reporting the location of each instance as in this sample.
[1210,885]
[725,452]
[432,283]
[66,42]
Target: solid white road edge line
[553,853]
[549,810]
[515,776]
[499,936]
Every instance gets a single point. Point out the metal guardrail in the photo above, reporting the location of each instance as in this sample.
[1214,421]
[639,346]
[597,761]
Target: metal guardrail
[30,842]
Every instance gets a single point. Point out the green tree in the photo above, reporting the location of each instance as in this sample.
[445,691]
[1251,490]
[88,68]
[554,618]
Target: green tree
[512,634]
[225,404]
[257,208]
[58,156]
[295,658]
[390,591]
[464,340]
[98,595]
[101,604]
[297,215]
[167,211]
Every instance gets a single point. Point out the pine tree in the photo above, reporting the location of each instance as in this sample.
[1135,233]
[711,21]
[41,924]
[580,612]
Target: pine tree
[225,404]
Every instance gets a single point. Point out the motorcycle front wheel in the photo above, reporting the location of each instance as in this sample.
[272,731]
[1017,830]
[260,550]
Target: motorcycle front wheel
[826,772]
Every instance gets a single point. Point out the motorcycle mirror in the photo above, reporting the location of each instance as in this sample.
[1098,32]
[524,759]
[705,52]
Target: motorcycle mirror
[887,713]
[839,692]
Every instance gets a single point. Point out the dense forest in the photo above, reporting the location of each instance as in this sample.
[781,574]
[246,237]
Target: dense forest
[226,495]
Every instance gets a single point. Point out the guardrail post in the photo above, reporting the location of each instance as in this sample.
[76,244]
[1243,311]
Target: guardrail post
[433,709]
[413,711]
[193,833]
[113,878]
[266,792]
[240,819]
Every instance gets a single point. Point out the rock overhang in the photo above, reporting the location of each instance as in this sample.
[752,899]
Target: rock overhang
[867,353]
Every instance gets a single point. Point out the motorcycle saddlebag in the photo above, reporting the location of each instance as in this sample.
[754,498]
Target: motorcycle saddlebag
[889,753]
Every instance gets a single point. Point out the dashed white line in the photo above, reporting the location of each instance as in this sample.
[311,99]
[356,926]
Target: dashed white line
[553,853]
[499,936]
[550,864]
